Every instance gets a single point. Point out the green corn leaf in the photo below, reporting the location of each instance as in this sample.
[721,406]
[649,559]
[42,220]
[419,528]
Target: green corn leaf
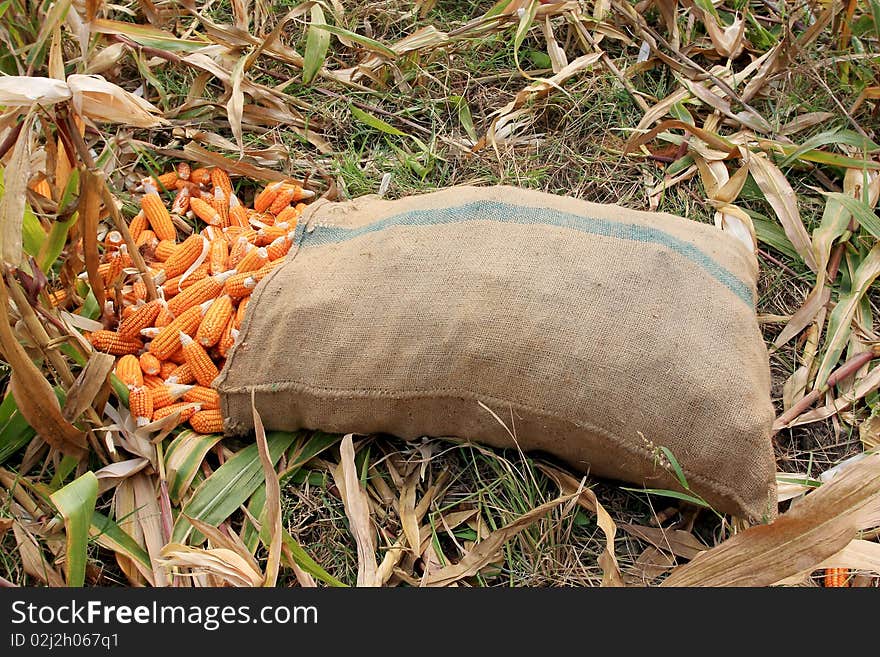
[111,536]
[15,432]
[183,458]
[860,210]
[366,42]
[317,43]
[76,504]
[375,122]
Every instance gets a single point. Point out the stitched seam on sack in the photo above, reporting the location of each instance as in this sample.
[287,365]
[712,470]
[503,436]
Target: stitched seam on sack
[453,392]
[483,210]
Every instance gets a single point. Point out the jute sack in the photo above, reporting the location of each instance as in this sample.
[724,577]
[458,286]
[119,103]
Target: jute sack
[596,334]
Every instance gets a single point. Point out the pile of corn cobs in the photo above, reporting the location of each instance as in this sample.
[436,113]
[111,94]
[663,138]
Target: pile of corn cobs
[171,348]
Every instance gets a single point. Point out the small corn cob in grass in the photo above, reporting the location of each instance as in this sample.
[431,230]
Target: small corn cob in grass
[157,214]
[185,408]
[253,260]
[210,421]
[834,577]
[207,397]
[215,320]
[168,341]
[128,370]
[149,363]
[140,403]
[204,290]
[112,343]
[141,318]
[186,253]
[218,255]
[205,211]
[181,374]
[203,368]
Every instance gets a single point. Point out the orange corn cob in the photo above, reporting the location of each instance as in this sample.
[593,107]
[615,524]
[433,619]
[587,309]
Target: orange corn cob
[240,285]
[203,368]
[238,215]
[149,363]
[114,270]
[239,249]
[177,356]
[113,239]
[205,211]
[279,247]
[142,317]
[168,340]
[253,259]
[221,205]
[233,233]
[153,381]
[181,201]
[218,255]
[207,397]
[834,577]
[282,199]
[182,374]
[128,370]
[58,298]
[167,369]
[186,411]
[110,342]
[186,253]
[269,234]
[166,394]
[265,198]
[165,181]
[207,421]
[147,238]
[240,312]
[289,215]
[183,170]
[138,225]
[157,214]
[219,178]
[140,403]
[151,332]
[201,291]
[200,176]
[200,272]
[43,188]
[214,322]
[164,249]
[230,334]
[164,318]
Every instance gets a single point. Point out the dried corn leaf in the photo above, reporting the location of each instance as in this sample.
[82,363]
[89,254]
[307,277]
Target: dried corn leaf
[271,524]
[821,525]
[24,91]
[87,386]
[13,186]
[227,566]
[357,510]
[33,559]
[103,101]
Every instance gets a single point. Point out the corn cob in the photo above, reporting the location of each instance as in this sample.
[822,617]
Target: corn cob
[164,249]
[200,176]
[200,272]
[181,374]
[186,253]
[166,394]
[203,368]
[269,234]
[215,321]
[167,369]
[288,215]
[207,421]
[234,232]
[203,290]
[183,170]
[151,332]
[239,250]
[240,312]
[218,255]
[138,225]
[265,198]
[186,411]
[152,381]
[253,260]
[219,178]
[128,370]
[58,298]
[207,397]
[181,201]
[177,356]
[113,239]
[142,317]
[140,403]
[221,205]
[163,319]
[149,363]
[43,188]
[834,577]
[110,342]
[205,211]
[147,238]
[238,215]
[279,247]
[157,214]
[240,285]
[113,270]
[282,199]
[168,340]
[230,335]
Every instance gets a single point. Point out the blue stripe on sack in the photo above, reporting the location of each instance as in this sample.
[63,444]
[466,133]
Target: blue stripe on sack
[513,214]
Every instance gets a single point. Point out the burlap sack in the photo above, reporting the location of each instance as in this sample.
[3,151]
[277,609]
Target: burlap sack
[597,334]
